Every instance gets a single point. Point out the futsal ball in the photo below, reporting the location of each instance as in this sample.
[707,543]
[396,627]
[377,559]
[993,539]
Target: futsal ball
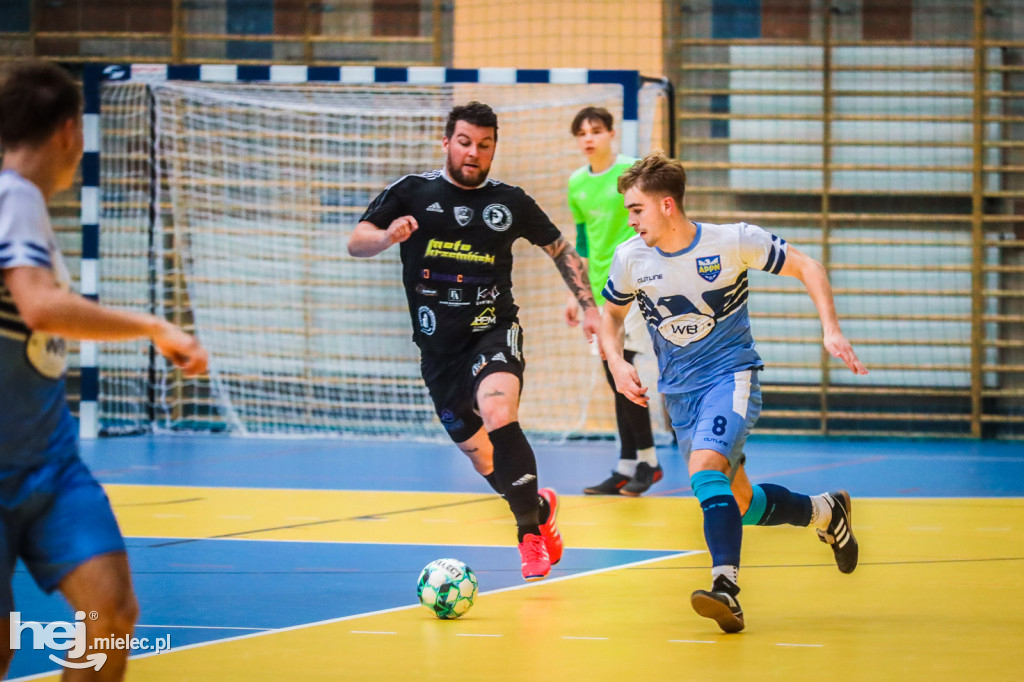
[447,587]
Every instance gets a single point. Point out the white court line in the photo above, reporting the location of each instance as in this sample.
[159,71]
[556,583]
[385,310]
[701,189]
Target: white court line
[396,609]
[202,627]
[807,645]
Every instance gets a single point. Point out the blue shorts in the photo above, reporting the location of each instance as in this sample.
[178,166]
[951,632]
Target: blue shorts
[718,418]
[55,518]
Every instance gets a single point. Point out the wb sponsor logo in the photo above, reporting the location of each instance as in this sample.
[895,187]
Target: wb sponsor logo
[709,268]
[682,330]
[48,354]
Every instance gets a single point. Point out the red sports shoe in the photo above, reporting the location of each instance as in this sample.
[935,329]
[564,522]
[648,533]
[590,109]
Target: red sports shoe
[549,530]
[536,564]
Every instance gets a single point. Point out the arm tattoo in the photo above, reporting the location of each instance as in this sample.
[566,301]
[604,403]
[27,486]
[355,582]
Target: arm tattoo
[572,269]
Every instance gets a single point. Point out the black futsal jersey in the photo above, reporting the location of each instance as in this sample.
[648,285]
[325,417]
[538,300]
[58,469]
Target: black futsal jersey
[457,267]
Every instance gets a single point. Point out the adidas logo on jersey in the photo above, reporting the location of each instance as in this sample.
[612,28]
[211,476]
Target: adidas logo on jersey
[435,208]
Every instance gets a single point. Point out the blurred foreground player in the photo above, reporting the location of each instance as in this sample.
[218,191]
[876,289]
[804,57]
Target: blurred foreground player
[55,516]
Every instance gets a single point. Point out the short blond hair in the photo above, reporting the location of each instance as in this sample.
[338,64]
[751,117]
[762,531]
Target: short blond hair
[656,174]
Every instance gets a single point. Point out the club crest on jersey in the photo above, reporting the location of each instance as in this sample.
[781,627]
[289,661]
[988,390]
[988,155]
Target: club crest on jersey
[498,217]
[709,268]
[428,322]
[463,214]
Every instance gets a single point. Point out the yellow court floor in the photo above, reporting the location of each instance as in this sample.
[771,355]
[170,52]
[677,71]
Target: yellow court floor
[938,594]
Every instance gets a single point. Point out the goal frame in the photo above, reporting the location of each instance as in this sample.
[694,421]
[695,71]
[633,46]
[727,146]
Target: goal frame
[96,74]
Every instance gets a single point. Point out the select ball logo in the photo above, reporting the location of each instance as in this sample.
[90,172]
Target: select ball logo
[447,587]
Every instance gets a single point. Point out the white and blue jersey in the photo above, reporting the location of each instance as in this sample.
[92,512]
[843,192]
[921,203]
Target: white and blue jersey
[54,516]
[695,300]
[35,423]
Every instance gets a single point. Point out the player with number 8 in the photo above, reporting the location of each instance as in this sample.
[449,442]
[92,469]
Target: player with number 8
[690,281]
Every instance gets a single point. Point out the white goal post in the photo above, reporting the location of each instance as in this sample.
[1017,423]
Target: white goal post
[221,197]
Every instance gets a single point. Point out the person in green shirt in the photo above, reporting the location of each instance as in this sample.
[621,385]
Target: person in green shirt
[601,225]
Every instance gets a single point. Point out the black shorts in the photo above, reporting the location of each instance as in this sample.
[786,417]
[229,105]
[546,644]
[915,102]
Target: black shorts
[453,379]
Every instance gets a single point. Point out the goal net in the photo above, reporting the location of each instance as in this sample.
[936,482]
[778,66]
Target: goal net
[226,207]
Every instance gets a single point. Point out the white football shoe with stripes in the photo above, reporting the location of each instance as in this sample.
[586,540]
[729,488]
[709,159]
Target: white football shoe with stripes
[839,533]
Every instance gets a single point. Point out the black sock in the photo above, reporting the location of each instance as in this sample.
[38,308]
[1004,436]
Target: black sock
[544,510]
[492,480]
[782,506]
[515,469]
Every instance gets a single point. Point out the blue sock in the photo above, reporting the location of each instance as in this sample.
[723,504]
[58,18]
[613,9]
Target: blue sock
[758,504]
[773,505]
[723,526]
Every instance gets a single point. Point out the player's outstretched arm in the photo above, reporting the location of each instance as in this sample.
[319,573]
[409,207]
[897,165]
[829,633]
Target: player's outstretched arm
[815,280]
[611,336]
[574,273]
[48,308]
[368,240]
[572,306]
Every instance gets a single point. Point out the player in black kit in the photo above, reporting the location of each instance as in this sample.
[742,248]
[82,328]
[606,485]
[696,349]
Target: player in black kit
[456,230]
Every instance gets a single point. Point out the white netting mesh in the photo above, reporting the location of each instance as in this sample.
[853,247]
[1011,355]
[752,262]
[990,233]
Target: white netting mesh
[257,188]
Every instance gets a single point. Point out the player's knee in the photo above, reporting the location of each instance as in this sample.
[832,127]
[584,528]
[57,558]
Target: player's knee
[117,613]
[498,413]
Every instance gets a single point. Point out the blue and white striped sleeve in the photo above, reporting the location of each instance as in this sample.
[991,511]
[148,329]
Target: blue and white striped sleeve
[619,287]
[23,224]
[761,249]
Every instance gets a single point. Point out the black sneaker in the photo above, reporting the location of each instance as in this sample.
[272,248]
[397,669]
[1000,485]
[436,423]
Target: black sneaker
[609,486]
[719,604]
[839,533]
[644,478]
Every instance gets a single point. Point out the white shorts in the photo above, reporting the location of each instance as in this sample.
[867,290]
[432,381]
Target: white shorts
[637,339]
